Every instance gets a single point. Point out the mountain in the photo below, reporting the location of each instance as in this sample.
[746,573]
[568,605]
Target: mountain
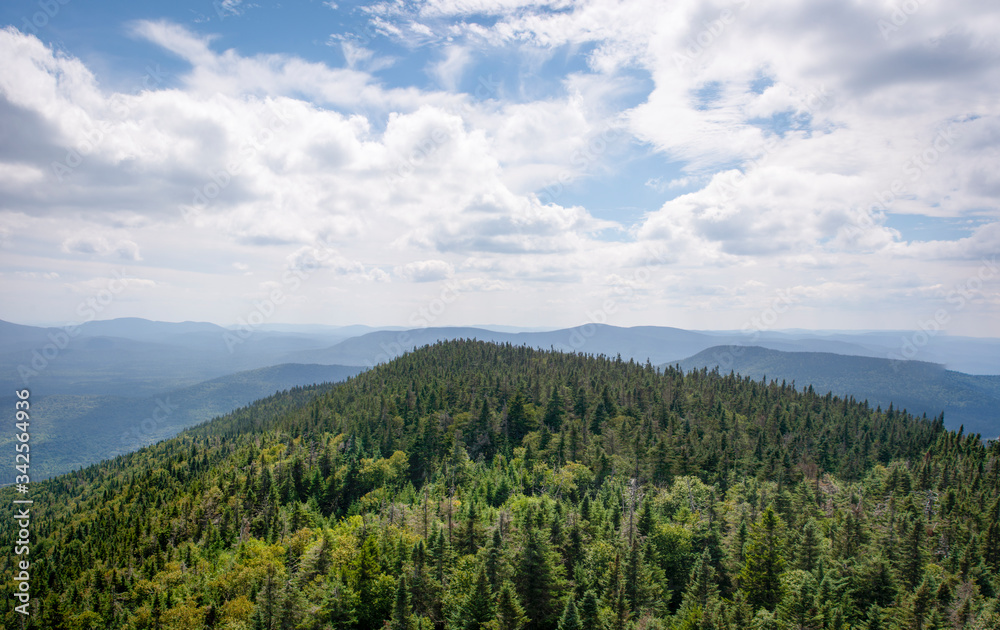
[655,343]
[107,374]
[474,485]
[70,431]
[133,357]
[918,387]
[661,344]
[144,329]
[136,358]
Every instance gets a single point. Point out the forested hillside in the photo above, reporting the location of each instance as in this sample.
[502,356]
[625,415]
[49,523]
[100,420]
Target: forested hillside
[966,400]
[476,486]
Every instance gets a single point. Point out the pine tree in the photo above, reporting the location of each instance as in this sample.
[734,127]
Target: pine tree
[471,535]
[913,558]
[401,612]
[647,521]
[702,585]
[517,419]
[760,577]
[570,619]
[538,578]
[589,612]
[509,612]
[797,608]
[493,559]
[807,551]
[554,411]
[477,609]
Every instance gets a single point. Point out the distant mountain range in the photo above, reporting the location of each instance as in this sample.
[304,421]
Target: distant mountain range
[660,344]
[70,431]
[916,386]
[99,381]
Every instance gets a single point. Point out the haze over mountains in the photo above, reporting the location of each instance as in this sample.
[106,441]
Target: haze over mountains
[919,387]
[95,385]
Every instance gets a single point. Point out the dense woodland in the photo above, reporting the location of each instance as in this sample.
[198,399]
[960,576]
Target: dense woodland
[481,487]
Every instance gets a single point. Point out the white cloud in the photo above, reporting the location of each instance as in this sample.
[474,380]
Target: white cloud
[797,128]
[425,270]
[449,70]
[97,245]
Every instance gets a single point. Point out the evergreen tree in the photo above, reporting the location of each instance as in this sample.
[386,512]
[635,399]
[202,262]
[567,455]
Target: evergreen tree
[477,609]
[537,579]
[702,584]
[570,619]
[807,550]
[401,612]
[797,608]
[517,419]
[509,613]
[589,612]
[913,553]
[760,578]
[554,411]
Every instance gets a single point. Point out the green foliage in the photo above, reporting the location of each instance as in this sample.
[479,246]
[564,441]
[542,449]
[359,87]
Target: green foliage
[438,491]
[760,578]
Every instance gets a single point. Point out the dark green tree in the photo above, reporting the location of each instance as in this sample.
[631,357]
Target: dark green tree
[760,577]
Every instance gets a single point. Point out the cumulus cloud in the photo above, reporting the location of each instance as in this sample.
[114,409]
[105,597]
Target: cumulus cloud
[97,245]
[425,270]
[789,137]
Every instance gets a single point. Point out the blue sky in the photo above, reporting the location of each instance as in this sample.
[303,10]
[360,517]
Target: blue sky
[538,163]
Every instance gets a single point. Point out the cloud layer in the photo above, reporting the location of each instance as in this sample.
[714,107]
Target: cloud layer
[796,141]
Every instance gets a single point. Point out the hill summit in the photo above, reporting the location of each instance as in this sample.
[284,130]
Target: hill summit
[482,486]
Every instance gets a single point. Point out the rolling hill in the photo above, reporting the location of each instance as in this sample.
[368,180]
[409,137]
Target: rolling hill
[917,387]
[473,486]
[72,431]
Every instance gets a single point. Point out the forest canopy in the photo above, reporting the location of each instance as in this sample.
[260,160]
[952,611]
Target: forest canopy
[477,486]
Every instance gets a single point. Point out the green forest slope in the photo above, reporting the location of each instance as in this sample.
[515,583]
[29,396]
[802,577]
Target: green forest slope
[476,486]
[968,400]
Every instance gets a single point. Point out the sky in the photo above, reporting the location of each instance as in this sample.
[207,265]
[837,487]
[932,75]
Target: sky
[820,164]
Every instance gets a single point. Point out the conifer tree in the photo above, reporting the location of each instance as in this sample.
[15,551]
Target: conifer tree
[509,612]
[477,609]
[570,619]
[760,578]
[401,612]
[537,578]
[807,550]
[589,612]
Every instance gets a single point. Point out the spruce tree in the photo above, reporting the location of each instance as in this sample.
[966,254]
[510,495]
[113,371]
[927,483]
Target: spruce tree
[509,612]
[570,619]
[537,578]
[760,578]
[401,613]
[477,609]
[589,612]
